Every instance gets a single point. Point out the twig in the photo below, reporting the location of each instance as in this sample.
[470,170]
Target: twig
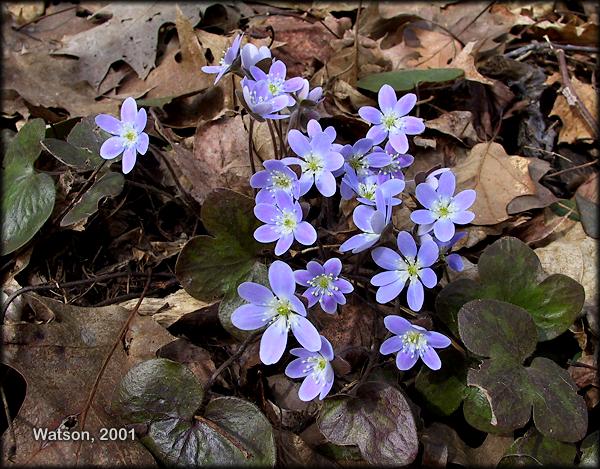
[13,448]
[118,340]
[85,187]
[584,165]
[356,41]
[541,46]
[35,20]
[581,365]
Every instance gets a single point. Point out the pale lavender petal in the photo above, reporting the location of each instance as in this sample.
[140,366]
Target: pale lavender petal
[266,213]
[325,183]
[385,278]
[428,277]
[283,244]
[443,229]
[273,342]
[333,161]
[399,141]
[437,340]
[302,277]
[142,143]
[255,293]
[309,294]
[391,345]
[281,279]
[250,317]
[426,195]
[462,218]
[329,376]
[315,268]
[267,234]
[297,369]
[379,221]
[212,68]
[413,125]
[112,148]
[306,334]
[293,84]
[140,120]
[344,285]
[303,353]
[404,361]
[128,159]
[397,324]
[386,98]
[447,184]
[405,104]
[298,143]
[129,111]
[260,179]
[362,146]
[305,233]
[378,134]
[328,304]
[431,359]
[422,217]
[359,243]
[339,297]
[464,199]
[406,244]
[109,124]
[370,114]
[297,305]
[386,258]
[309,389]
[387,293]
[455,262]
[362,217]
[284,201]
[326,349]
[428,253]
[415,295]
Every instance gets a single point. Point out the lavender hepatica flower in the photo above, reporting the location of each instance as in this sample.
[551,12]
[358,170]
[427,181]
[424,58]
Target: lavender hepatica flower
[227,61]
[392,120]
[324,284]
[276,81]
[128,133]
[371,221]
[279,309]
[315,95]
[276,177]
[442,209]
[316,370]
[283,224]
[453,260]
[260,102]
[412,267]
[397,162]
[317,161]
[366,187]
[251,55]
[358,158]
[412,342]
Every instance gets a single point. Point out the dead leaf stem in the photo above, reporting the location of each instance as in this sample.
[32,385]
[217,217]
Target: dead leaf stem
[85,187]
[356,51]
[251,147]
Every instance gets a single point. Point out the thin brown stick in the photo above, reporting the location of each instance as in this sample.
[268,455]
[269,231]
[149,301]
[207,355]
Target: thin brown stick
[279,130]
[35,20]
[356,45]
[13,448]
[118,340]
[251,146]
[579,166]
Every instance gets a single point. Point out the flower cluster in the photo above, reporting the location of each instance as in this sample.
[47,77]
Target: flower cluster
[308,161]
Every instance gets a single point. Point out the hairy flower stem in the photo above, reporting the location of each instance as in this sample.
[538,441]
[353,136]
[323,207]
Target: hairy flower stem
[251,146]
[274,140]
[283,147]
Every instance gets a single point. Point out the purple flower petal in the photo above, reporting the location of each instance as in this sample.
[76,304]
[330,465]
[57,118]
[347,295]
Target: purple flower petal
[455,262]
[305,233]
[267,234]
[406,244]
[333,266]
[413,125]
[428,253]
[310,295]
[212,68]
[422,217]
[370,114]
[129,111]
[397,324]
[404,361]
[283,244]
[250,317]
[315,268]
[326,349]
[302,277]
[362,217]
[426,195]
[309,389]
[142,143]
[328,304]
[109,124]
[344,285]
[443,229]
[273,342]
[385,278]
[303,353]
[128,159]
[140,120]
[428,277]
[415,295]
[464,199]
[391,345]
[298,143]
[386,258]
[447,184]
[325,183]
[386,98]
[112,148]
[333,161]
[297,369]
[462,218]
[329,377]
[437,340]
[405,104]
[266,213]
[255,293]
[399,141]
[297,305]
[306,334]
[359,243]
[281,279]
[293,84]
[387,293]
[377,134]
[431,359]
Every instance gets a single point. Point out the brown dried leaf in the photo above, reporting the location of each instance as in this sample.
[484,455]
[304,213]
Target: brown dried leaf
[458,124]
[496,177]
[193,357]
[542,197]
[465,61]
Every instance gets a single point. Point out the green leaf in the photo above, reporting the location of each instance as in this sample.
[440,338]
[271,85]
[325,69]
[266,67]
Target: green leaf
[405,80]
[506,334]
[510,271]
[86,134]
[27,196]
[478,413]
[444,389]
[109,185]
[165,396]
[536,449]
[379,421]
[208,267]
[589,450]
[231,301]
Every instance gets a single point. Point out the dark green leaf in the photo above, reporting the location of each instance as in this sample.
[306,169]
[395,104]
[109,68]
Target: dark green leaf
[510,271]
[589,450]
[478,413]
[566,207]
[588,212]
[405,80]
[78,158]
[27,196]
[109,185]
[87,135]
[165,396]
[536,449]
[379,421]
[209,267]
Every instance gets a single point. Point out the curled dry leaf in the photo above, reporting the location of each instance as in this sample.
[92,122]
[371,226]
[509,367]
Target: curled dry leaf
[458,124]
[466,61]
